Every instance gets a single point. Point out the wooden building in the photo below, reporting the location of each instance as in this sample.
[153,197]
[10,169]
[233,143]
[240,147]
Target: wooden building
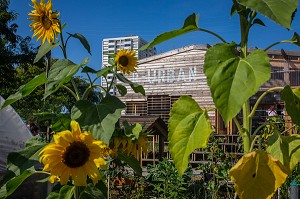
[169,75]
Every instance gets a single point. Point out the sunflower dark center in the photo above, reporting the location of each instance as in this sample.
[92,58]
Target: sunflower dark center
[46,22]
[123,60]
[76,155]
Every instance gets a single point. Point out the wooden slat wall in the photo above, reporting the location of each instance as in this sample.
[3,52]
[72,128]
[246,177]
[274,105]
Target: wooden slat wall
[188,61]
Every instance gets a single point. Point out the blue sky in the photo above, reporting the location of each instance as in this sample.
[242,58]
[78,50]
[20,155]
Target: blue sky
[97,20]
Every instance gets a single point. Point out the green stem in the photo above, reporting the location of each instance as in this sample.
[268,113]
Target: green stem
[253,142]
[212,33]
[64,49]
[76,193]
[251,115]
[74,94]
[279,42]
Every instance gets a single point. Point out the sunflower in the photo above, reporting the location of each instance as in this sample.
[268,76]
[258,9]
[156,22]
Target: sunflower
[126,61]
[74,154]
[45,23]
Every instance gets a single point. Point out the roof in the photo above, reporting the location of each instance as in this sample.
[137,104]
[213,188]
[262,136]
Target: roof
[174,52]
[152,123]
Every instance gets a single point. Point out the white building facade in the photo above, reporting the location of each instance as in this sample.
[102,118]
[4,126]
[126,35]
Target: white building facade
[113,45]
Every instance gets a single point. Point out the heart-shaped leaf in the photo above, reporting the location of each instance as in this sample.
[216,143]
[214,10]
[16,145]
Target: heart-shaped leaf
[279,11]
[286,149]
[257,175]
[233,80]
[189,129]
[60,73]
[292,102]
[25,89]
[99,119]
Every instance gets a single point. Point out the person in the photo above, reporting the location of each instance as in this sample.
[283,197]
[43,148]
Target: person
[34,129]
[271,111]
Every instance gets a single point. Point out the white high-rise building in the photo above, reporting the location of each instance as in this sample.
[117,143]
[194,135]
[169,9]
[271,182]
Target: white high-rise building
[113,45]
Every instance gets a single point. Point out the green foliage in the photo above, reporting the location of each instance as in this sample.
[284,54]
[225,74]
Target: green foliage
[83,41]
[25,90]
[165,181]
[215,181]
[131,161]
[189,129]
[190,24]
[101,118]
[279,11]
[233,80]
[60,73]
[286,149]
[44,49]
[292,100]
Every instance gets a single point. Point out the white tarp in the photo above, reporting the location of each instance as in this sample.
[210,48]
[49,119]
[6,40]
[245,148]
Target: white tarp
[13,133]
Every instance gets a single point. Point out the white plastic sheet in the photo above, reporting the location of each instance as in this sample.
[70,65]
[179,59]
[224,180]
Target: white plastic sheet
[13,133]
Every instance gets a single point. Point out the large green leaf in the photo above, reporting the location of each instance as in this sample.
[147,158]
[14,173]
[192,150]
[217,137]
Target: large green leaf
[15,182]
[233,80]
[60,73]
[286,149]
[131,161]
[280,11]
[66,192]
[83,41]
[25,89]
[101,118]
[189,129]
[45,48]
[292,102]
[135,87]
[19,161]
[190,24]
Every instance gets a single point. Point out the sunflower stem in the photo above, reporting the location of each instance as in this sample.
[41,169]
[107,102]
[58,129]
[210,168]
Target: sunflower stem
[64,49]
[76,193]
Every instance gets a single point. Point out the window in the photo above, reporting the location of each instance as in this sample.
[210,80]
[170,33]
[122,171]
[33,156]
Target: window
[136,108]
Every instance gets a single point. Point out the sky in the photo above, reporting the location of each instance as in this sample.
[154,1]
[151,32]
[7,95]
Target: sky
[97,20]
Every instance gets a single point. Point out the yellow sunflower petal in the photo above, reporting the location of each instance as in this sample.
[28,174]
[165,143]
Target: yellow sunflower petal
[76,130]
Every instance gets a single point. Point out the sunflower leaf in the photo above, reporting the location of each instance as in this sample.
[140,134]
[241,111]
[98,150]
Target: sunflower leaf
[60,73]
[189,129]
[99,119]
[131,161]
[66,192]
[292,101]
[260,172]
[190,24]
[285,149]
[91,192]
[44,49]
[87,69]
[233,80]
[122,89]
[280,12]
[19,161]
[104,71]
[25,89]
[135,87]
[83,41]
[14,183]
